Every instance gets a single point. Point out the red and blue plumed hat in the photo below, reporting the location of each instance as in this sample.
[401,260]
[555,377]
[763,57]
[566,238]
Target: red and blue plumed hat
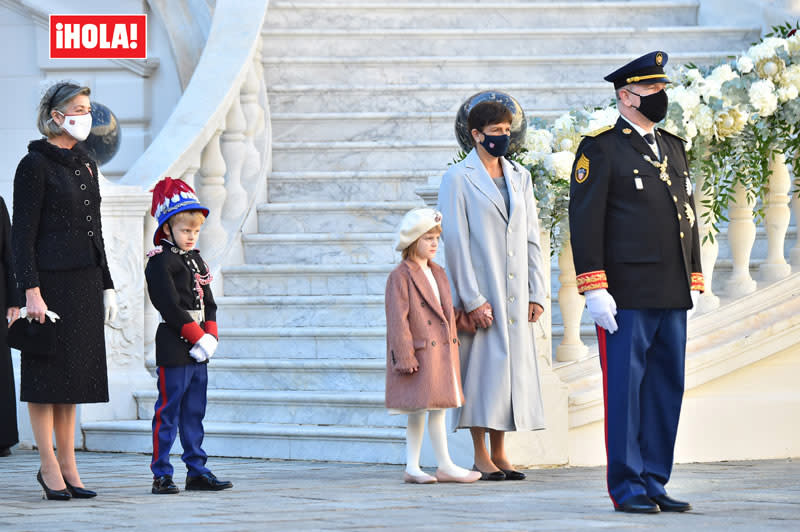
[171,196]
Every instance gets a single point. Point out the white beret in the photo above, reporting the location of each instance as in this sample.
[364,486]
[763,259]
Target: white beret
[414,224]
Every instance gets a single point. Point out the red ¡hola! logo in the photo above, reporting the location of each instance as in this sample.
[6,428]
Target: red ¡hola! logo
[98,36]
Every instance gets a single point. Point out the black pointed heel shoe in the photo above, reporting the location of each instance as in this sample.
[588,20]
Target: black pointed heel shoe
[513,474]
[494,475]
[79,493]
[52,495]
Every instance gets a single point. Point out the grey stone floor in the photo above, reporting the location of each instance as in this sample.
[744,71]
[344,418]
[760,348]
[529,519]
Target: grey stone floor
[278,495]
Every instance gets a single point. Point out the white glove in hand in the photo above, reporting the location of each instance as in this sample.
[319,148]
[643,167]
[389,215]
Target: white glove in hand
[110,305]
[695,296]
[602,308]
[52,316]
[208,344]
[197,353]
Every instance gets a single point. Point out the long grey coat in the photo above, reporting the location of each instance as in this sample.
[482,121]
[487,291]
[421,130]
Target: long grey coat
[496,258]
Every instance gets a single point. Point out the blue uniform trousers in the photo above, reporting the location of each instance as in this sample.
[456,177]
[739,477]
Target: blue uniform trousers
[643,375]
[180,407]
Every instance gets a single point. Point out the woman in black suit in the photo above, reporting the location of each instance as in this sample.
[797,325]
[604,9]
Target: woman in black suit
[9,300]
[60,263]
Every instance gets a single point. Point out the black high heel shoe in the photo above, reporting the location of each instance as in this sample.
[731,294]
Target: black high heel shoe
[79,493]
[52,495]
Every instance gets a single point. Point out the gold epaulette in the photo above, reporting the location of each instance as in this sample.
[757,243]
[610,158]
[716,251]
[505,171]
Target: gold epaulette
[599,131]
[661,129]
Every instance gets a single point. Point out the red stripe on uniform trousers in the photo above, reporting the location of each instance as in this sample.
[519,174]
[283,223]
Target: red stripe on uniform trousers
[162,387]
[601,344]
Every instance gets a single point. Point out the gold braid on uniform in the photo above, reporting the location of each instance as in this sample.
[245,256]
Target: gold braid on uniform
[698,282]
[592,281]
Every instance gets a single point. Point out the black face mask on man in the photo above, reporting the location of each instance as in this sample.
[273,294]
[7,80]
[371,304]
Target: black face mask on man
[653,106]
[496,145]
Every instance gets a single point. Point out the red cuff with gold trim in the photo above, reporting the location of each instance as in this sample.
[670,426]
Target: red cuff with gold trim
[592,280]
[211,328]
[192,332]
[698,282]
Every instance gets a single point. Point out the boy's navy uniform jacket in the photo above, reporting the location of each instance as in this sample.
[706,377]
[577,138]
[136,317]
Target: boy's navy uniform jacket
[172,285]
[633,227]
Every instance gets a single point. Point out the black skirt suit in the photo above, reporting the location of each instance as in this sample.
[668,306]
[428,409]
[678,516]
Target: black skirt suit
[57,241]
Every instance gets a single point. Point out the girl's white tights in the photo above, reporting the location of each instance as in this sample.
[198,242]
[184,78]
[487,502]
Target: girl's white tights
[438,435]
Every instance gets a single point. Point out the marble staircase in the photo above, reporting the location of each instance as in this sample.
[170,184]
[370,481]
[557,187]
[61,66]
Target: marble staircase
[363,95]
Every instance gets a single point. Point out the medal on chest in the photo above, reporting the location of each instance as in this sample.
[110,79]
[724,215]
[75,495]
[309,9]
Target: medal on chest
[663,175]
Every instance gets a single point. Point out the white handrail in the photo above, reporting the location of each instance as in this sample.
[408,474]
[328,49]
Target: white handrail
[232,42]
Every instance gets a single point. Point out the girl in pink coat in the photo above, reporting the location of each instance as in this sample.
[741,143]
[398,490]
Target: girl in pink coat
[422,367]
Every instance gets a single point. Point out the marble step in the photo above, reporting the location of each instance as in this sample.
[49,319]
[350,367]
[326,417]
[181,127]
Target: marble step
[309,342]
[320,248]
[316,127]
[331,375]
[261,440]
[396,185]
[532,40]
[301,311]
[465,69]
[287,407]
[469,15]
[364,155]
[305,279]
[538,97]
[323,216]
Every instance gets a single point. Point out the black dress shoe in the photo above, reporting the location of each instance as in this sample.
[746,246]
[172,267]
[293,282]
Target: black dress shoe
[5,451]
[207,482]
[52,495]
[638,504]
[164,485]
[513,474]
[668,504]
[494,475]
[79,493]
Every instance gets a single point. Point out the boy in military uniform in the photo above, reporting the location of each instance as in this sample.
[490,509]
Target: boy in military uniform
[178,281]
[637,255]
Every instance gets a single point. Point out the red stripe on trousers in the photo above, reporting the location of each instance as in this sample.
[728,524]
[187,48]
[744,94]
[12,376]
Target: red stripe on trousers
[162,388]
[601,343]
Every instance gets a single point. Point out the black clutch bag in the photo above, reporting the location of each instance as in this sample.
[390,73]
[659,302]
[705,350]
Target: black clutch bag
[33,338]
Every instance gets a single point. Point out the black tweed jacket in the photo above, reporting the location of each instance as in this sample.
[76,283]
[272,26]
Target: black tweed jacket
[56,220]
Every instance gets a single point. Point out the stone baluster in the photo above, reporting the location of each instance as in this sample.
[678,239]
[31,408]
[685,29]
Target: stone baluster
[571,303]
[776,220]
[254,116]
[741,237]
[794,256]
[709,250]
[232,146]
[212,193]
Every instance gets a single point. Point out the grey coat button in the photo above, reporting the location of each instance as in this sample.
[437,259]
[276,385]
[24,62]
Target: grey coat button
[86,202]
[77,172]
[88,218]
[83,187]
[90,233]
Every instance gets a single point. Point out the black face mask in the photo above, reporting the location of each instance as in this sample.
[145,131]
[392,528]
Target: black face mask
[653,106]
[496,145]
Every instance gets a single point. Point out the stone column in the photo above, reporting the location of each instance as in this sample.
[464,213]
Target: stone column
[741,237]
[776,220]
[709,250]
[571,303]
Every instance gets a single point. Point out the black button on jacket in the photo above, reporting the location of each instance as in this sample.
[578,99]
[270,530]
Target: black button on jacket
[56,224]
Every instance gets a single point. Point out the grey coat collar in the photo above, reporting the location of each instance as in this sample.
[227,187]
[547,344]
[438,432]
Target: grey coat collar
[477,175]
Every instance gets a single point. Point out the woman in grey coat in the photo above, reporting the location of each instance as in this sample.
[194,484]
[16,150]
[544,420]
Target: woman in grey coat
[493,259]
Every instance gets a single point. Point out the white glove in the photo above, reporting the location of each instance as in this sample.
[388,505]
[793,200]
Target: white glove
[695,296]
[52,316]
[602,308]
[207,344]
[110,305]
[197,353]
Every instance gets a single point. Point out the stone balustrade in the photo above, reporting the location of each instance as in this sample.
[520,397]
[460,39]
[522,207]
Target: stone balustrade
[744,246]
[218,140]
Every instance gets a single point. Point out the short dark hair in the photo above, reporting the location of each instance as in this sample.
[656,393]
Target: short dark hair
[488,113]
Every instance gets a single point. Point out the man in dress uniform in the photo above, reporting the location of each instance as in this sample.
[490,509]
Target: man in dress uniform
[635,242]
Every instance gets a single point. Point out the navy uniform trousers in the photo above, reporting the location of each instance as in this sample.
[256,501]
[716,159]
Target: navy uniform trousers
[180,408]
[643,375]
